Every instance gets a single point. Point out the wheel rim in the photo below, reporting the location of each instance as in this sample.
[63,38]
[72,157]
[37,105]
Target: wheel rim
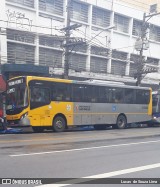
[59,124]
[121,123]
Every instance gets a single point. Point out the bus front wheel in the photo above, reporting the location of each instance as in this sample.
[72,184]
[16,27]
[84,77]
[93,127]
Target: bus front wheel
[121,122]
[59,124]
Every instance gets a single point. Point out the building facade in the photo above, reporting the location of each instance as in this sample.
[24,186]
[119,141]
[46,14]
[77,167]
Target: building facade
[32,38]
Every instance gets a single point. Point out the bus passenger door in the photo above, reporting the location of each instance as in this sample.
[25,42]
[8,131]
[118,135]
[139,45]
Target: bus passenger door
[45,119]
[40,106]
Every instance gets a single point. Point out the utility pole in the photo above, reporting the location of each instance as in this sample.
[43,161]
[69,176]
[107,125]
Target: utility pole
[67,37]
[141,60]
[69,41]
[143,44]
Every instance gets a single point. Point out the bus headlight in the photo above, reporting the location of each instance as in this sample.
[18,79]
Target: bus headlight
[24,121]
[24,115]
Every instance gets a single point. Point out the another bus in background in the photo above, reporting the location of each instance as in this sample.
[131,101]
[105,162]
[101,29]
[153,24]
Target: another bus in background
[51,103]
[156,108]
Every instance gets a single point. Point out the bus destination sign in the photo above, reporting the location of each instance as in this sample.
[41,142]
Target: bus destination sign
[18,81]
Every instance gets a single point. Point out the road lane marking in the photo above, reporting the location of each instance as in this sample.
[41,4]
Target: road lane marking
[103,175]
[82,149]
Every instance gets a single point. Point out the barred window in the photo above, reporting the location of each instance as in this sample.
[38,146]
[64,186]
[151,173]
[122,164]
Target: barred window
[78,48]
[153,61]
[50,41]
[134,58]
[118,67]
[50,57]
[28,3]
[133,69]
[79,11]
[154,33]
[20,54]
[21,36]
[99,51]
[52,6]
[119,55]
[98,65]
[121,23]
[77,62]
[137,26]
[100,17]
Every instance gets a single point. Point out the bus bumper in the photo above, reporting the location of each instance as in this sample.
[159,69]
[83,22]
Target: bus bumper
[23,122]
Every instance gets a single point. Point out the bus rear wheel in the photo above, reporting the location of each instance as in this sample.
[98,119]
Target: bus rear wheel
[121,122]
[59,124]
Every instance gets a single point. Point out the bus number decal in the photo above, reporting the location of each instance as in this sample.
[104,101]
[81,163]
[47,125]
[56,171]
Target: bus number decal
[114,108]
[68,107]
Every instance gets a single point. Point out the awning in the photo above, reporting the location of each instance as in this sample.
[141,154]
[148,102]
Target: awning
[2,84]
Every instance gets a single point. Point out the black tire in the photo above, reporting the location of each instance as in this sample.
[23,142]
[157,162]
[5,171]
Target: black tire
[59,124]
[121,122]
[38,129]
[99,127]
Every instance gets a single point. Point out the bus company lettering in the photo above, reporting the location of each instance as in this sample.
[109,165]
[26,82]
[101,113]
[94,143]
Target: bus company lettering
[86,108]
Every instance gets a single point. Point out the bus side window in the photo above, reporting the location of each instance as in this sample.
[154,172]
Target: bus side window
[94,94]
[88,93]
[78,93]
[129,97]
[68,93]
[142,96]
[102,94]
[119,95]
[61,92]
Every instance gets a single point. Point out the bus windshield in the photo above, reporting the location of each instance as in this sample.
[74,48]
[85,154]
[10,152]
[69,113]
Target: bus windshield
[17,97]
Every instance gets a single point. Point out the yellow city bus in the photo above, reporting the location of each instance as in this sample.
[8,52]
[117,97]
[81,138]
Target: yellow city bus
[51,103]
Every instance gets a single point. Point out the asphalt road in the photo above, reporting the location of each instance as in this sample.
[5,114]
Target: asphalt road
[130,153]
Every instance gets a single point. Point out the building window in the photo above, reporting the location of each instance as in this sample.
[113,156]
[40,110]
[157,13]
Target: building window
[79,11]
[137,26]
[77,62]
[20,54]
[100,17]
[28,3]
[153,61]
[134,58]
[52,6]
[99,51]
[21,36]
[98,65]
[121,23]
[78,48]
[118,55]
[154,33]
[118,68]
[50,57]
[133,69]
[50,41]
